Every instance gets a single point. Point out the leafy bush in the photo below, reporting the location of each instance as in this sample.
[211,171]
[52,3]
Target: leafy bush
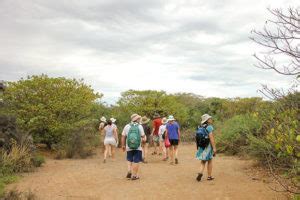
[80,142]
[37,160]
[235,132]
[47,108]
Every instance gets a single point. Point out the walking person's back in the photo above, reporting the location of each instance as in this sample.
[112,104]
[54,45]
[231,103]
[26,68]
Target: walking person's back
[110,139]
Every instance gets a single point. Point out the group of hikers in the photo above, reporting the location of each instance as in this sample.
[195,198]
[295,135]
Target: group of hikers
[137,136]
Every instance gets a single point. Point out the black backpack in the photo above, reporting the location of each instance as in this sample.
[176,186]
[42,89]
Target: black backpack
[202,137]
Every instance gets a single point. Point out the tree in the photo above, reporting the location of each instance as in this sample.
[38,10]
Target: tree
[149,102]
[48,107]
[281,38]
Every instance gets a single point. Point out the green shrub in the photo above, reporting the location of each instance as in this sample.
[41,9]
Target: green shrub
[80,142]
[233,137]
[37,160]
[6,179]
[18,159]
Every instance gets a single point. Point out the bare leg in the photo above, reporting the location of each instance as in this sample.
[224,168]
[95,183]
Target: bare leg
[135,169]
[176,151]
[109,152]
[209,168]
[171,151]
[105,152]
[129,167]
[145,151]
[202,166]
[155,147]
[112,151]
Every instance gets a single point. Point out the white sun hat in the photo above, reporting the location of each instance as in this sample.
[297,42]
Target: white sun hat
[103,119]
[171,118]
[113,120]
[205,117]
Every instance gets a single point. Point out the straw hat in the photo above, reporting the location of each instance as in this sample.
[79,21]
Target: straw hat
[135,117]
[171,118]
[145,120]
[205,117]
[113,120]
[103,119]
[164,120]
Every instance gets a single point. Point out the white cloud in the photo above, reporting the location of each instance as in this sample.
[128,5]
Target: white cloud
[178,46]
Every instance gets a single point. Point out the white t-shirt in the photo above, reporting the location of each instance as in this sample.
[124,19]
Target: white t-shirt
[162,129]
[125,133]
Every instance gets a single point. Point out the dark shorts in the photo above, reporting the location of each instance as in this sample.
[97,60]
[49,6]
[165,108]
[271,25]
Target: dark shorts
[134,156]
[173,142]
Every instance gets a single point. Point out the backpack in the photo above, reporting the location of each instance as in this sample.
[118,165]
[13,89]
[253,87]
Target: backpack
[202,138]
[134,137]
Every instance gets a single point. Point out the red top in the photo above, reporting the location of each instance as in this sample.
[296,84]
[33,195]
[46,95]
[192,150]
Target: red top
[156,124]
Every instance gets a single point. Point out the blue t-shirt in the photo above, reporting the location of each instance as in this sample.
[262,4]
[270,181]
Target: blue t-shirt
[173,130]
[209,129]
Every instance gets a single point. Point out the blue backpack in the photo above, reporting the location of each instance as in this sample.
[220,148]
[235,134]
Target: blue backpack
[202,138]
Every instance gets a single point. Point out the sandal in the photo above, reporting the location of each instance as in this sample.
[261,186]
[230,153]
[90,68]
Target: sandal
[199,177]
[210,178]
[135,178]
[176,161]
[128,176]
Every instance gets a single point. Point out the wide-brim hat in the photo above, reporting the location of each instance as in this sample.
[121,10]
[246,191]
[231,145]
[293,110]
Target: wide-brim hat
[205,117]
[145,120]
[135,117]
[171,118]
[103,119]
[156,115]
[164,120]
[113,120]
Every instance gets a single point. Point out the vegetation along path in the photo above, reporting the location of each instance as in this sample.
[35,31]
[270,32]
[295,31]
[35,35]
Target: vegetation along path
[92,179]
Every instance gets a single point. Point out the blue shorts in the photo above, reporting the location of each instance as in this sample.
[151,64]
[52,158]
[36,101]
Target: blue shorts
[134,156]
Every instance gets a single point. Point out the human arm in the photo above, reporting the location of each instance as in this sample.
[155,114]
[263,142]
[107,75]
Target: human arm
[123,141]
[116,135]
[212,142]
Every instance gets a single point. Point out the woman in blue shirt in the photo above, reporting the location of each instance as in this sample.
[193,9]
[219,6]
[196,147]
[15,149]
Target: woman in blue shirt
[206,154]
[173,134]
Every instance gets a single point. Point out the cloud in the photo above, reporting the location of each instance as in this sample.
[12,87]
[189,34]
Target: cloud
[177,46]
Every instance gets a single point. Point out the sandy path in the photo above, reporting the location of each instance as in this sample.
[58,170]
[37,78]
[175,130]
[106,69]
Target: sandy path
[91,179]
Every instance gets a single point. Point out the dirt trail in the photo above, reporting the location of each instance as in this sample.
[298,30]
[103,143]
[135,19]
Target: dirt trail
[91,179]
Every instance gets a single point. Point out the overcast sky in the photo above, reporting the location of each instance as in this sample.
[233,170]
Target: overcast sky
[195,46]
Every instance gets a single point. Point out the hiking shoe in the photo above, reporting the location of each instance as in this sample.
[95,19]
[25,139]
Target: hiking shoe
[176,161]
[135,178]
[199,177]
[128,176]
[210,178]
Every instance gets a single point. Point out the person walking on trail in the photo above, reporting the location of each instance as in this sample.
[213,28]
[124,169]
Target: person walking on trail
[113,120]
[206,146]
[132,137]
[110,140]
[147,130]
[155,136]
[162,137]
[101,130]
[173,134]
